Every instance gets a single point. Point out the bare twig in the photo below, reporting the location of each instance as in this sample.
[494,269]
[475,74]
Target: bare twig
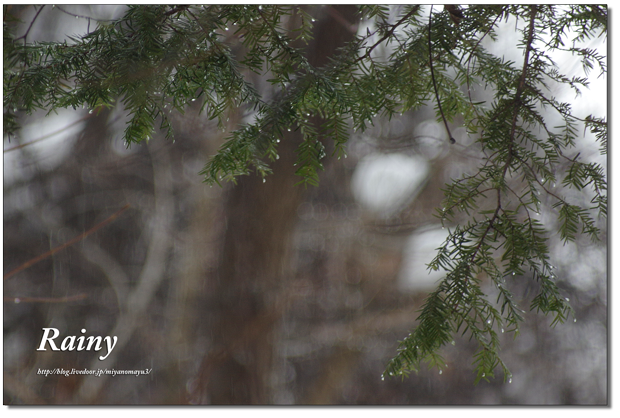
[82,16]
[388,34]
[51,134]
[337,16]
[25,35]
[176,10]
[483,36]
[65,245]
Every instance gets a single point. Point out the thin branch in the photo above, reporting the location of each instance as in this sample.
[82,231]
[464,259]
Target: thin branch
[430,57]
[522,85]
[49,135]
[82,16]
[520,89]
[176,10]
[489,226]
[388,34]
[337,16]
[470,56]
[65,245]
[524,162]
[25,35]
[552,103]
[483,36]
[522,204]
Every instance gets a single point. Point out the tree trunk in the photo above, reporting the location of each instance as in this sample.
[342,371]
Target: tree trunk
[255,260]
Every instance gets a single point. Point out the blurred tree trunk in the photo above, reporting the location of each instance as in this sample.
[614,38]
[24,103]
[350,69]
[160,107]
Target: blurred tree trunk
[255,259]
[335,373]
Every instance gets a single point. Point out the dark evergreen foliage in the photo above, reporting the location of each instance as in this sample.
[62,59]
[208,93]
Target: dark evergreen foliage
[159,59]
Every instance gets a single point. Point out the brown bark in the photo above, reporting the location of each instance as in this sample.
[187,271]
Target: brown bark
[327,388]
[249,293]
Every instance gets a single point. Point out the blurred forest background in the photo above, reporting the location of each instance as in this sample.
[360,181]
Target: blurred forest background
[184,277]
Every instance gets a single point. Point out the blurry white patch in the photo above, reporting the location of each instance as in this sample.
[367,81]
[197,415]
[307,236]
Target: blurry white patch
[462,137]
[59,132]
[585,267]
[420,250]
[385,183]
[431,137]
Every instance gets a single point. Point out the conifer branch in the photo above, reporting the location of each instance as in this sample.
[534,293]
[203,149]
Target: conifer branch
[521,85]
[430,58]
[389,33]
[154,64]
